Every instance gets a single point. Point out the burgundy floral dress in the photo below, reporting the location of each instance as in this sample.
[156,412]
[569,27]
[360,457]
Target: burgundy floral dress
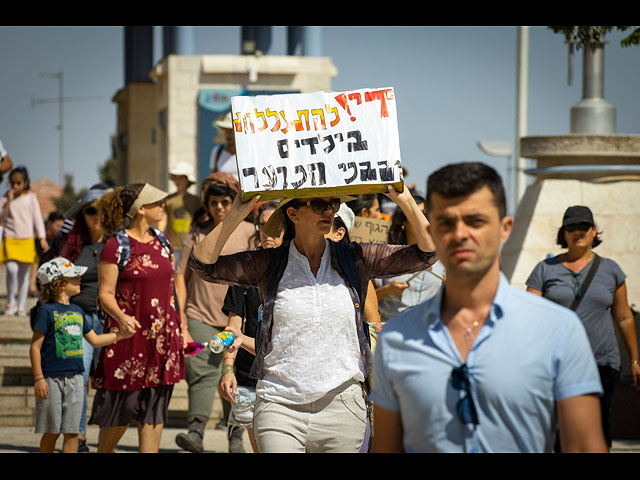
[154,355]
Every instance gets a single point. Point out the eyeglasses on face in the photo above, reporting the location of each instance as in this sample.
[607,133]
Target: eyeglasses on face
[224,203]
[465,408]
[91,211]
[319,205]
[583,227]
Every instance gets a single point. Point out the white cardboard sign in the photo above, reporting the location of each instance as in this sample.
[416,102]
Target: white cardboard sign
[302,145]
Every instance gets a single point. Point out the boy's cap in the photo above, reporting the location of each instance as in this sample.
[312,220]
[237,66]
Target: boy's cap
[57,268]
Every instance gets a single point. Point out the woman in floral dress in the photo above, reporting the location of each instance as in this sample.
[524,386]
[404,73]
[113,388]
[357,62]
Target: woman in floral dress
[134,378]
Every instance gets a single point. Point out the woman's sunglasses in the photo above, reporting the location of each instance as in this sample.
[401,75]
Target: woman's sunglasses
[319,206]
[583,227]
[214,203]
[91,211]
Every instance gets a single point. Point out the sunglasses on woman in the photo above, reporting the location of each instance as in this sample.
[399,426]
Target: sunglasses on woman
[319,206]
[91,211]
[583,227]
[214,203]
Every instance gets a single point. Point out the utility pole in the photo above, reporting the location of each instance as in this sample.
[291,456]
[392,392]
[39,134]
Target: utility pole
[60,99]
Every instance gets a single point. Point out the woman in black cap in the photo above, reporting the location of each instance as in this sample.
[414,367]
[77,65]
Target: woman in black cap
[594,287]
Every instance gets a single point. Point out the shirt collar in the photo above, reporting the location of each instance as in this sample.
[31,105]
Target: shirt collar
[302,260]
[498,305]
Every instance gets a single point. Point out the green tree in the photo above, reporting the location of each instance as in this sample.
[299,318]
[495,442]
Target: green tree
[69,195]
[109,172]
[587,35]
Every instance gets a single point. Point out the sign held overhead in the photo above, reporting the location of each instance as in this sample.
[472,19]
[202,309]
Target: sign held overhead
[317,144]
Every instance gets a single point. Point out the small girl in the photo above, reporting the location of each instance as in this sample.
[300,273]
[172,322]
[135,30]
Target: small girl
[56,354]
[20,213]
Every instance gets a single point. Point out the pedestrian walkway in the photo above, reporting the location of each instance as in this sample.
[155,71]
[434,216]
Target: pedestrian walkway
[24,440]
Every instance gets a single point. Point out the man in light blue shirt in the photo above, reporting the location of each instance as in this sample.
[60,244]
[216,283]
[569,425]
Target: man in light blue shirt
[482,366]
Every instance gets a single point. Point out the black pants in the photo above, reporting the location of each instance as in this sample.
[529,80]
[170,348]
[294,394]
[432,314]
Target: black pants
[609,377]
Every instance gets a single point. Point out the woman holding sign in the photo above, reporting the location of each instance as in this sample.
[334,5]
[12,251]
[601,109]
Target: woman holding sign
[312,352]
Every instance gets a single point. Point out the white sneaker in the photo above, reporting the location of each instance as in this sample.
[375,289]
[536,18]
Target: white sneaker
[22,312]
[11,310]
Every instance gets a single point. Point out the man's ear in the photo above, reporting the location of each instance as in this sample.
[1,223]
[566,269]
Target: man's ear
[506,228]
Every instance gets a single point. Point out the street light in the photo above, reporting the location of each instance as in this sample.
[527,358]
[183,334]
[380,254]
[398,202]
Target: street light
[501,149]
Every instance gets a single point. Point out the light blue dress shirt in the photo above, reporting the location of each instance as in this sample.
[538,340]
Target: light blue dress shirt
[529,354]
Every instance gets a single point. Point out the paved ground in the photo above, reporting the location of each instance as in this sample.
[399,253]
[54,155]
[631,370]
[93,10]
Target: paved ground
[24,440]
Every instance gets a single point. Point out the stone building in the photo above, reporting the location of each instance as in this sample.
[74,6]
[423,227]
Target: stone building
[166,112]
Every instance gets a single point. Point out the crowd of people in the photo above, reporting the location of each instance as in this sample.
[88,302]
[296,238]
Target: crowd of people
[418,344]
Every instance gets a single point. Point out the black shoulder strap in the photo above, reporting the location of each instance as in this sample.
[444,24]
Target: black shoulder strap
[587,281]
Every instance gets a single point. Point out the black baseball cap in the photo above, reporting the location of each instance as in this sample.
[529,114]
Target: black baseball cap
[577,214]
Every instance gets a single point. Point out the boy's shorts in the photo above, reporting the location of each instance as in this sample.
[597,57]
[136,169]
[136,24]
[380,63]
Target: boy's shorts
[62,409]
[241,413]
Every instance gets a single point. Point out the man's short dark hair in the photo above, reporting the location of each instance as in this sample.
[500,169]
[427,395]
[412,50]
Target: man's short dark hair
[461,179]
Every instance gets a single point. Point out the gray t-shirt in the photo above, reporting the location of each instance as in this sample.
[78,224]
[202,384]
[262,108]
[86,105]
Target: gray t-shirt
[559,284]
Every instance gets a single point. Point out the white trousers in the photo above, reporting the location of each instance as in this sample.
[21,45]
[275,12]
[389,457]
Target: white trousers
[335,423]
[18,277]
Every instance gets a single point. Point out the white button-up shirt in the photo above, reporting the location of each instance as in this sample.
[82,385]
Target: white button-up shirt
[315,344]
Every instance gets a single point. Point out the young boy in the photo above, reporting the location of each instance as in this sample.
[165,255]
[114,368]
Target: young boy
[56,355]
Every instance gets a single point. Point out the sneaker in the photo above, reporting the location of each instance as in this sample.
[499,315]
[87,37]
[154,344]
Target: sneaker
[22,312]
[191,442]
[10,310]
[82,446]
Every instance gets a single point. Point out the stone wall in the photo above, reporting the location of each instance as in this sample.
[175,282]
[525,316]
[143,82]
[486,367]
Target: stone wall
[616,210]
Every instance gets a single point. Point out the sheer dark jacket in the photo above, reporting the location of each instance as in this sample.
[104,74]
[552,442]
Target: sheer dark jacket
[263,268]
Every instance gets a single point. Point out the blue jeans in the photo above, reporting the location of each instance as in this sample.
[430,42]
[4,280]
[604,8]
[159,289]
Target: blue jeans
[89,358]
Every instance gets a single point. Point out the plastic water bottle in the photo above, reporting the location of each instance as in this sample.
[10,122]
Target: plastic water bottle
[221,341]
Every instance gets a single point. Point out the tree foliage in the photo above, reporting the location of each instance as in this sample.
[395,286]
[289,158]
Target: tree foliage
[109,172]
[69,195]
[589,35]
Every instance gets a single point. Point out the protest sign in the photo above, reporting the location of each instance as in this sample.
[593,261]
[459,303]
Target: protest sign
[370,230]
[317,144]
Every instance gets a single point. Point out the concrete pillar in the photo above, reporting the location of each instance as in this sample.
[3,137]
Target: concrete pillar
[177,40]
[294,40]
[305,41]
[138,53]
[255,39]
[593,114]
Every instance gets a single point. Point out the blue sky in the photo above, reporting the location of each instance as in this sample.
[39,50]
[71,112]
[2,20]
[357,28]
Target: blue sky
[454,86]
